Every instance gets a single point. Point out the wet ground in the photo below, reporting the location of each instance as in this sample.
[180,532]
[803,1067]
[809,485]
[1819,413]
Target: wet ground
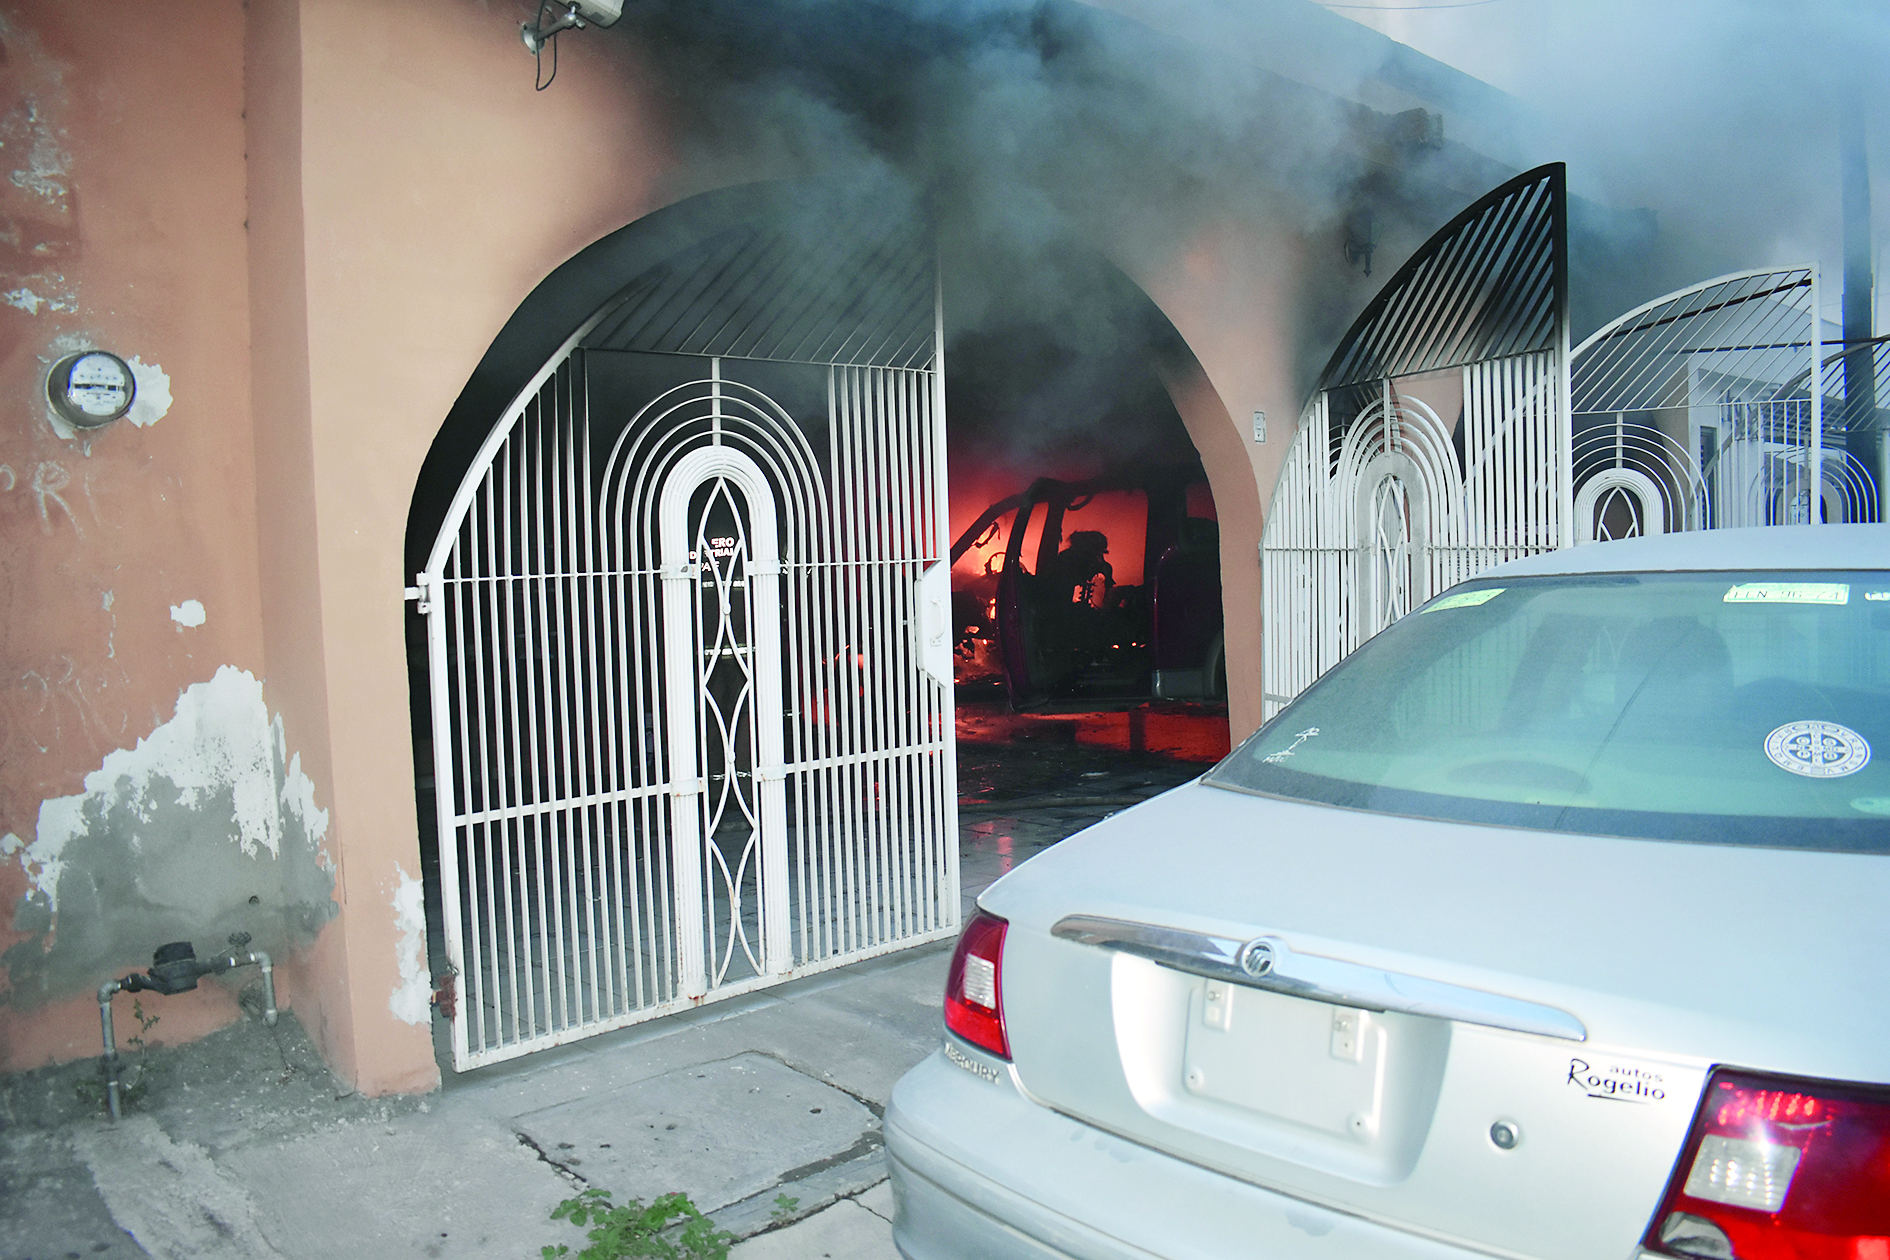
[1018,797]
[1172,730]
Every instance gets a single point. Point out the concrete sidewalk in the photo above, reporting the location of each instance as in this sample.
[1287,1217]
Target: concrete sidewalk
[764,1109]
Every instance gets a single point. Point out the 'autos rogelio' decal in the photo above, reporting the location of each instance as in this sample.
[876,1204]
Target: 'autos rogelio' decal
[1617,1082]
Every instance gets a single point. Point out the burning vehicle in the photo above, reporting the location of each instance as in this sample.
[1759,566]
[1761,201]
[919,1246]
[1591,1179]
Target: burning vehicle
[1103,589]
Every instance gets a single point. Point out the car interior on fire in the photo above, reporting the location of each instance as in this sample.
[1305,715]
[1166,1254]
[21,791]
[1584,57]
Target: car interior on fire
[1104,589]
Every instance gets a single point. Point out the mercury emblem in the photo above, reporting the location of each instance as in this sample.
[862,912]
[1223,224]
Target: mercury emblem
[1256,957]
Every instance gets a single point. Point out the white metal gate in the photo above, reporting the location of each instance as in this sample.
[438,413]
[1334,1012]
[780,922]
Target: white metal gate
[1707,409]
[690,666]
[1383,501]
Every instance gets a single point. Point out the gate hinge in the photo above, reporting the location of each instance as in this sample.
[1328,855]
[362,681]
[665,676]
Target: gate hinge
[419,593]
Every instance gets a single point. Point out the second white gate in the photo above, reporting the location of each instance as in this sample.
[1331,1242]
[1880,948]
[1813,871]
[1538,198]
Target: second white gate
[1436,443]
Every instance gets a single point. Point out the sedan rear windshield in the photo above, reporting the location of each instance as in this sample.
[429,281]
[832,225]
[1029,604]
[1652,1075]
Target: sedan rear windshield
[1727,708]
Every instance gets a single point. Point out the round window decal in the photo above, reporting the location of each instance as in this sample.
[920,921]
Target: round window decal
[1817,750]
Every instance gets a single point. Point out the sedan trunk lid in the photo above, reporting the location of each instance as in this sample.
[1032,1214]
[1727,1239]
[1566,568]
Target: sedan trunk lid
[1490,1036]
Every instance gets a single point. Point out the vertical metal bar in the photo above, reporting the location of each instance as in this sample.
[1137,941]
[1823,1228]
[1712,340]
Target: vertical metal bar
[446,810]
[1560,404]
[491,737]
[764,714]
[505,692]
[831,779]
[572,663]
[885,617]
[1814,507]
[940,524]
[641,565]
[602,651]
[680,663]
[852,495]
[902,635]
[624,679]
[557,718]
[914,691]
[541,689]
[874,510]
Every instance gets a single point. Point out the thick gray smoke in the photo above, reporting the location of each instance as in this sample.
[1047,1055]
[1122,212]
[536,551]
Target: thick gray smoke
[1028,127]
[1701,137]
[1721,116]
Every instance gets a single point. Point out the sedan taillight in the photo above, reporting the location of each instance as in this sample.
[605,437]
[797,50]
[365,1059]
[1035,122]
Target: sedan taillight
[1781,1168]
[974,988]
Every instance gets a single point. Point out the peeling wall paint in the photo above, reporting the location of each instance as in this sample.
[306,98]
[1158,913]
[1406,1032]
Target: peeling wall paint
[189,613]
[24,299]
[151,395]
[206,827]
[412,997]
[39,230]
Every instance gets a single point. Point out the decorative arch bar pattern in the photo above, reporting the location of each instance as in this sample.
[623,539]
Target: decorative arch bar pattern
[1710,407]
[1715,406]
[1491,283]
[1437,442]
[691,684]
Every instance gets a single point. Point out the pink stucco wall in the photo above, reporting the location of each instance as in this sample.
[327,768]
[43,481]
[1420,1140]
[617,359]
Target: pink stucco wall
[434,189]
[121,227]
[260,185]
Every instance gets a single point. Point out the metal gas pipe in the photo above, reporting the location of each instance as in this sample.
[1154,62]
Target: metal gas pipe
[175,968]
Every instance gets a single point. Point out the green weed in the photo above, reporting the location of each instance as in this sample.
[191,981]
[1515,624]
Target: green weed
[132,1078]
[669,1229]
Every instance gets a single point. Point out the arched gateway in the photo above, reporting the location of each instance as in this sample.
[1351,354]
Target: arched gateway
[688,647]
[1703,409]
[1436,442]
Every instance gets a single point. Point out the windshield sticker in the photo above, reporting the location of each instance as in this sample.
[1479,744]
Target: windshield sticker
[1617,1082]
[1466,599]
[1274,759]
[1877,597]
[1878,805]
[1789,593]
[1817,750]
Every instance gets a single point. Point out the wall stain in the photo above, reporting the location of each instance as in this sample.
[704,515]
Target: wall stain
[206,827]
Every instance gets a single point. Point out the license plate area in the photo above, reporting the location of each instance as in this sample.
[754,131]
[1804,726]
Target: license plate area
[1249,1073]
[1303,1062]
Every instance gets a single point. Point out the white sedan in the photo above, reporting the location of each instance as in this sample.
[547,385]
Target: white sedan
[1554,922]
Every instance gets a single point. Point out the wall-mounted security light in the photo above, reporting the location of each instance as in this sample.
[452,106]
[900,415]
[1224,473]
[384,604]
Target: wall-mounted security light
[91,389]
[555,16]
